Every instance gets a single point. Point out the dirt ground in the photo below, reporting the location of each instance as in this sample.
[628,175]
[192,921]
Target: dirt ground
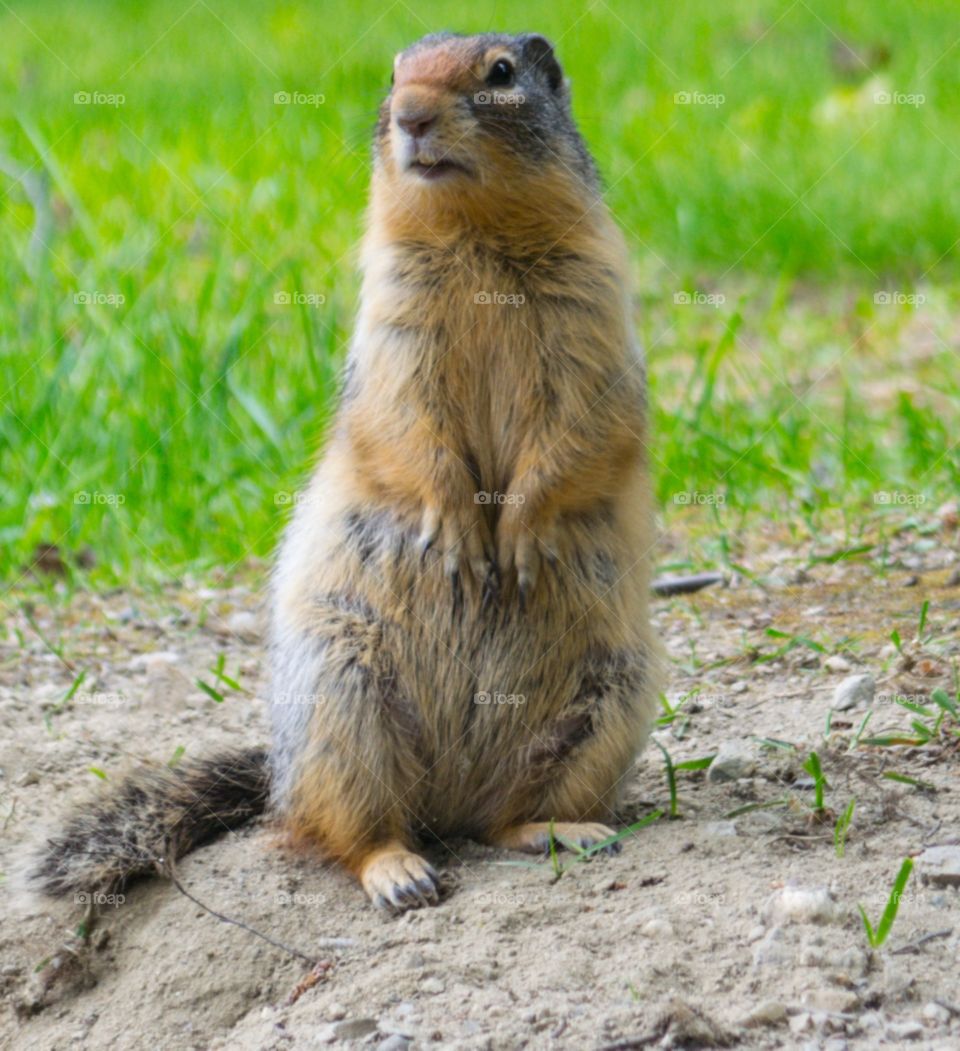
[734,924]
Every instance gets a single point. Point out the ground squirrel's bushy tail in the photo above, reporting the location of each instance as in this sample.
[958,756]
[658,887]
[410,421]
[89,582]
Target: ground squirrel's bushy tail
[151,818]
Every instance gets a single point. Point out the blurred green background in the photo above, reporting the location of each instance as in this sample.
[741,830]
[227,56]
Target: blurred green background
[786,175]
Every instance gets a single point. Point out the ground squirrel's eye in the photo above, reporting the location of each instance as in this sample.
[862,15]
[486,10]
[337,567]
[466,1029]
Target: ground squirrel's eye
[501,74]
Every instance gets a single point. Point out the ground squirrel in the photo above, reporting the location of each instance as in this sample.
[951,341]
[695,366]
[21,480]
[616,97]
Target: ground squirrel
[460,642]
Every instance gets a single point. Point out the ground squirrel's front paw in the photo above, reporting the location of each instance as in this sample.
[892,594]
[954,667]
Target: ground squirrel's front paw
[396,879]
[534,837]
[524,545]
[464,540]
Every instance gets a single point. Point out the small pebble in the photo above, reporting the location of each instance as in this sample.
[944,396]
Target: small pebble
[770,1012]
[793,904]
[801,1023]
[245,625]
[855,691]
[833,1001]
[734,759]
[657,928]
[353,1028]
[935,1014]
[940,866]
[853,961]
[394,1042]
[720,829]
[904,1030]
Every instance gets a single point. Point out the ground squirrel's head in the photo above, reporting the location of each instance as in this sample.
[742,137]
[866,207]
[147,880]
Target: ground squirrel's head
[467,115]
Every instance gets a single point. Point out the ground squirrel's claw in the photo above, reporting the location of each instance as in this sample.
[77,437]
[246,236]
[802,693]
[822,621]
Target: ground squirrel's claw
[528,560]
[429,532]
[484,569]
[523,591]
[427,886]
[417,892]
[524,548]
[400,880]
[491,588]
[464,544]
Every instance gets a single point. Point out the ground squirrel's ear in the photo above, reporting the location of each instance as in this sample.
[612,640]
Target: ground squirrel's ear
[538,51]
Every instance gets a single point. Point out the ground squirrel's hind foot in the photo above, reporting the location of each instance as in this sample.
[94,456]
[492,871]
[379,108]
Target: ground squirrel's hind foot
[534,836]
[396,879]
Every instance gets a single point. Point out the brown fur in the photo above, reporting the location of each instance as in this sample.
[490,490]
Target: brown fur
[542,598]
[148,820]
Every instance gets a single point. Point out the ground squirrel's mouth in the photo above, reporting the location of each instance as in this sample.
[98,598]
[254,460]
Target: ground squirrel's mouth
[437,169]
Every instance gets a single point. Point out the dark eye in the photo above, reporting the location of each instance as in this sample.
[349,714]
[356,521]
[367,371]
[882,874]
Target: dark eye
[501,74]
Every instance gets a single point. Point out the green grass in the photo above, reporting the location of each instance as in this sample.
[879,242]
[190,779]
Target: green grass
[842,827]
[877,936]
[814,769]
[188,410]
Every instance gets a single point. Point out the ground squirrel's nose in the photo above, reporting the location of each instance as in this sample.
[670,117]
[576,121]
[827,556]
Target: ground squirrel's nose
[416,122]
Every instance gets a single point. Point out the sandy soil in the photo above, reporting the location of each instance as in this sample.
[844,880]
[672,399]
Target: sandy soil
[732,925]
